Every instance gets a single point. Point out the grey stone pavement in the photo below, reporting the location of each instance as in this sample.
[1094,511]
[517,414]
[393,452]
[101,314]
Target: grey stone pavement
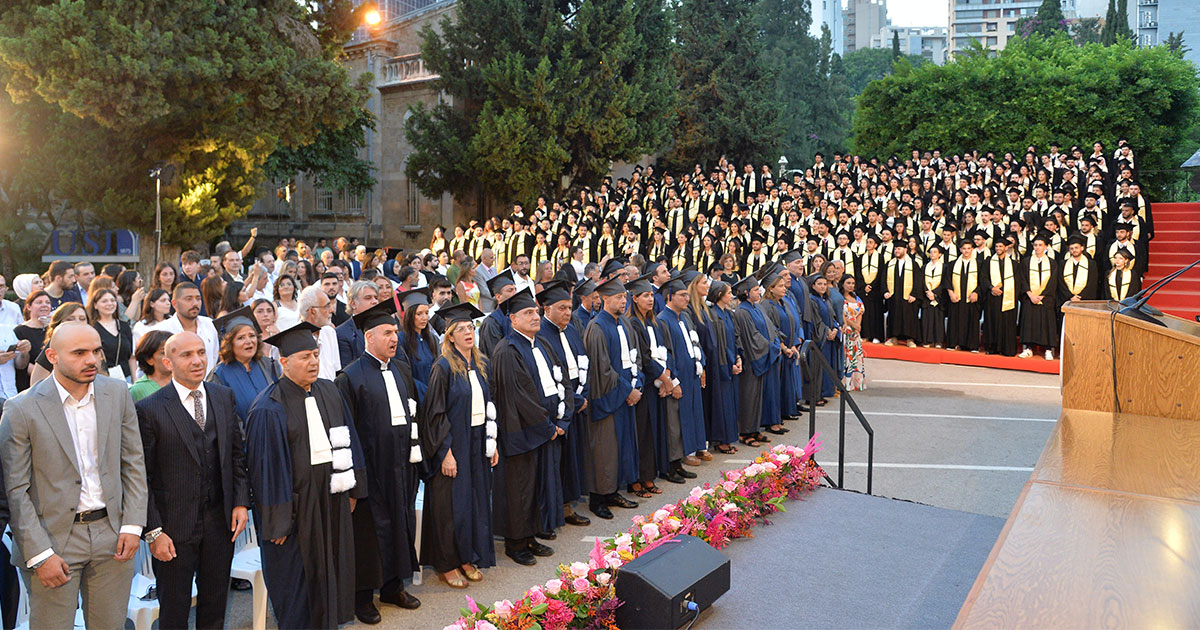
[955,437]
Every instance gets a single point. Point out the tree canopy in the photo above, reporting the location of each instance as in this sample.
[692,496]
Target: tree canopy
[1036,91]
[99,93]
[867,64]
[543,90]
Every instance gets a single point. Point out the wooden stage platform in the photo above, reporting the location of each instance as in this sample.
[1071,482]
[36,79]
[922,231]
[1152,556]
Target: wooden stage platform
[1106,533]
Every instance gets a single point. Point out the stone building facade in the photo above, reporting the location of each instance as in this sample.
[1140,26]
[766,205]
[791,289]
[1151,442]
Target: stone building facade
[394,213]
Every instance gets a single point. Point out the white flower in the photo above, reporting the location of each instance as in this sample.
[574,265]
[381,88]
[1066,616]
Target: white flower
[650,531]
[729,507]
[661,515]
[579,569]
[783,459]
[603,578]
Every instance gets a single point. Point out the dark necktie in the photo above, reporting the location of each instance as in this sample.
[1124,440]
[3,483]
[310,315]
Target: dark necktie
[198,412]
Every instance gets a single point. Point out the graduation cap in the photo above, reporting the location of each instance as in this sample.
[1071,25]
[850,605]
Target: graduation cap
[378,315]
[520,301]
[584,288]
[499,281]
[870,237]
[744,286]
[244,315]
[611,267]
[686,275]
[298,338]
[798,254]
[950,227]
[938,248]
[1077,238]
[463,312]
[640,285]
[1090,217]
[415,297]
[1128,227]
[1124,251]
[758,236]
[612,286]
[554,291]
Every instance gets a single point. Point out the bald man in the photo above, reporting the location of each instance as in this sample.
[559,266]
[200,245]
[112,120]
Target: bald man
[199,489]
[76,485]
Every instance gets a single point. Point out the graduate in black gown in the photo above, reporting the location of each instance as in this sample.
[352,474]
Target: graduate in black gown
[1080,277]
[933,302]
[305,463]
[527,501]
[1039,303]
[870,269]
[382,397]
[1000,314]
[964,290]
[902,288]
[459,442]
[561,337]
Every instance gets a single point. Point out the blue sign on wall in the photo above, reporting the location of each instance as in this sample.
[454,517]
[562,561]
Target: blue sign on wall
[92,245]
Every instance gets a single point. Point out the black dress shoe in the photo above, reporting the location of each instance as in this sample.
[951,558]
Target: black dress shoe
[615,499]
[685,473]
[548,535]
[368,614]
[601,511]
[522,557]
[804,408]
[238,584]
[401,598]
[538,549]
[674,477]
[578,519]
[779,431]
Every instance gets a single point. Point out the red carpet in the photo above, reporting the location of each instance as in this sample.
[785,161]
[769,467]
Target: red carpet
[1175,245]
[955,357]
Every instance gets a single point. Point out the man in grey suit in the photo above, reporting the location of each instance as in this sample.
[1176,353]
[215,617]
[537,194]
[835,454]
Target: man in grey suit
[76,485]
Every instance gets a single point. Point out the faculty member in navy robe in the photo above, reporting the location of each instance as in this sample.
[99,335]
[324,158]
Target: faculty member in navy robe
[689,371]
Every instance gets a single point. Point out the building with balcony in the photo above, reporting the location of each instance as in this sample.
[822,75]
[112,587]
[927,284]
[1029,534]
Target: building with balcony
[992,22]
[1152,21]
[864,19]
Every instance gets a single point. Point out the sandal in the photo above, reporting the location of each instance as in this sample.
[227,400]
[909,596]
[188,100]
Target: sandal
[749,440]
[454,582]
[651,488]
[472,573]
[640,492]
[822,402]
[762,438]
[726,449]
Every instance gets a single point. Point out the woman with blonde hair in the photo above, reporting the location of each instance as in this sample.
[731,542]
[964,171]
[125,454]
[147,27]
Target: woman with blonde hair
[460,444]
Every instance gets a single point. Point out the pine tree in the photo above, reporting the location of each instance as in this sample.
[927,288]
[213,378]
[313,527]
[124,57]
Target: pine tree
[1050,19]
[895,45]
[1121,27]
[1108,33]
[543,90]
[727,104]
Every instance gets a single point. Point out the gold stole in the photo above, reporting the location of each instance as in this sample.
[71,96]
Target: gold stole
[1119,292]
[501,251]
[908,278]
[847,257]
[933,277]
[1008,285]
[539,254]
[1039,273]
[1076,283]
[972,277]
[870,267]
[1127,245]
[1090,248]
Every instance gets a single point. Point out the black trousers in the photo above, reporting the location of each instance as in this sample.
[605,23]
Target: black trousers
[206,557]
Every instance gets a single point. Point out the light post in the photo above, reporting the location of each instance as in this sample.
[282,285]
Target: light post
[783,162]
[156,174]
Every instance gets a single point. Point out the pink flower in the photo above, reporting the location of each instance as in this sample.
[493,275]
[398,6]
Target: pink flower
[729,486]
[672,524]
[580,584]
[504,609]
[536,597]
[453,626]
[650,531]
[579,569]
[661,515]
[623,540]
[639,519]
[471,605]
[783,459]
[733,475]
[603,578]
[729,507]
[697,500]
[554,586]
[484,624]
[612,560]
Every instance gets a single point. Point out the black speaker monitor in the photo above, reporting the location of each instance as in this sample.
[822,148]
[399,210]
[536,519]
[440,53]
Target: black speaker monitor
[657,587]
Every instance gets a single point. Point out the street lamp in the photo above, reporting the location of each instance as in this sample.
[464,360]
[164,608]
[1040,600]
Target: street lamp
[371,15]
[783,162]
[156,175]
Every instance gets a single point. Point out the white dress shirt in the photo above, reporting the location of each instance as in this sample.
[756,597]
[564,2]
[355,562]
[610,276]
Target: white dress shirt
[81,419]
[327,354]
[8,369]
[185,397]
[10,314]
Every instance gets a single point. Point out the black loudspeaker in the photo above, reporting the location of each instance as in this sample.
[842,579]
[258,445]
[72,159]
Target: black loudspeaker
[657,587]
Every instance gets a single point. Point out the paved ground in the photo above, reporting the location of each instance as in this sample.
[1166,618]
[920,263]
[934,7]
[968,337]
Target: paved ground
[955,437]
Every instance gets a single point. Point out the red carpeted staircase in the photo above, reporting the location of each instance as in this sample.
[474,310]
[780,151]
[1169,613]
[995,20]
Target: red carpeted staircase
[1176,244]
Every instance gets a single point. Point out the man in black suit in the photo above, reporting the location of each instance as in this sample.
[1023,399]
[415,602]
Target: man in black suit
[199,490]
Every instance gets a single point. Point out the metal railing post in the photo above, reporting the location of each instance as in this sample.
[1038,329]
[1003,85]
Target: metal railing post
[842,441]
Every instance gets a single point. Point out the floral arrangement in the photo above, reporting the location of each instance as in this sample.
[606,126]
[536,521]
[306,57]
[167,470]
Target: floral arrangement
[583,594]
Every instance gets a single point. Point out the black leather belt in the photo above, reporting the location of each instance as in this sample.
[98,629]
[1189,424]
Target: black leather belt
[91,515]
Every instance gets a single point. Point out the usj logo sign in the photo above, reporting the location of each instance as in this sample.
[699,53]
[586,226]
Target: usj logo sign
[100,246]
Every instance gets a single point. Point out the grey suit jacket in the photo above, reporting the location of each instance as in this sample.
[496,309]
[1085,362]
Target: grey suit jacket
[41,473]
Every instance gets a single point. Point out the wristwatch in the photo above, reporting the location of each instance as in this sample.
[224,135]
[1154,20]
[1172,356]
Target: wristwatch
[151,535]
[39,564]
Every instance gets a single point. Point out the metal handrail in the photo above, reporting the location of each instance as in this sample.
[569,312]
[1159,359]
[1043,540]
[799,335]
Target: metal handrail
[814,361]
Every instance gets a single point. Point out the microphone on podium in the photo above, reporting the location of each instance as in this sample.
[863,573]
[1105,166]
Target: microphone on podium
[1135,305]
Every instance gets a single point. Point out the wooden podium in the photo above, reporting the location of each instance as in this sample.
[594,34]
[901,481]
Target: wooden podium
[1106,532]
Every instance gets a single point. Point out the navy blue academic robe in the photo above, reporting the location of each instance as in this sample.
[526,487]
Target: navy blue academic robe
[350,342]
[494,328]
[528,496]
[650,412]
[420,361]
[310,577]
[791,330]
[614,447]
[691,405]
[246,384]
[828,348]
[765,366]
[391,480]
[581,318]
[721,381]
[573,462]
[457,518]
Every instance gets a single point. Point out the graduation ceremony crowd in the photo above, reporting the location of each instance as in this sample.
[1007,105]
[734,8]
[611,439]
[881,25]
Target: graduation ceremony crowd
[310,391]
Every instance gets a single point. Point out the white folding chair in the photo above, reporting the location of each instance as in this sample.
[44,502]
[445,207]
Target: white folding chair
[142,612]
[247,565]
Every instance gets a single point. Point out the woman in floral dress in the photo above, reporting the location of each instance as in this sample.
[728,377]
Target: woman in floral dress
[856,369]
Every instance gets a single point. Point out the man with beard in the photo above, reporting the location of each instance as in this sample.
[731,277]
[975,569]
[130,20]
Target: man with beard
[186,301]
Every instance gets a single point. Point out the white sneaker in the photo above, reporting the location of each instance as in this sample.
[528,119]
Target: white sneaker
[912,344]
[1049,355]
[874,341]
[890,342]
[1025,354]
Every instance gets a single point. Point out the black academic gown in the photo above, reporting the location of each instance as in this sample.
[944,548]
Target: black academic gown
[870,271]
[1039,322]
[494,328]
[528,487]
[457,519]
[310,577]
[573,461]
[387,542]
